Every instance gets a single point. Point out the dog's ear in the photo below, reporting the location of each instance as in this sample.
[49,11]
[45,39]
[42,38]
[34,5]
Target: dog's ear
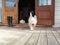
[30,14]
[35,17]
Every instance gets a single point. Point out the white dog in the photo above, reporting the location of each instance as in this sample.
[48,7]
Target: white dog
[32,21]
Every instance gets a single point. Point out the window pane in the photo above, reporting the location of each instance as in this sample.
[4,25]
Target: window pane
[49,2]
[44,2]
[40,2]
[10,3]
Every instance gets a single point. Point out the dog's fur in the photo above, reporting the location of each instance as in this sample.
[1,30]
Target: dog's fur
[32,21]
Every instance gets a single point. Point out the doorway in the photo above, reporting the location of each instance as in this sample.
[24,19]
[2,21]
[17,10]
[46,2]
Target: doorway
[24,8]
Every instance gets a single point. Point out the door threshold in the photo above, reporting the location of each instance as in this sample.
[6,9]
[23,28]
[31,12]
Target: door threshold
[22,25]
[0,23]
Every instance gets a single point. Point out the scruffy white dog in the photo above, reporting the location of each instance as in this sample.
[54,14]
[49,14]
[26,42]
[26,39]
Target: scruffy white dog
[32,21]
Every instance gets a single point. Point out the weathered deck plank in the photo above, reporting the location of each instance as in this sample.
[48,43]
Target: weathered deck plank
[42,38]
[20,36]
[33,39]
[51,38]
[11,37]
[22,40]
[57,36]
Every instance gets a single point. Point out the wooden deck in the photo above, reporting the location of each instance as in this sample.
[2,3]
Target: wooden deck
[24,36]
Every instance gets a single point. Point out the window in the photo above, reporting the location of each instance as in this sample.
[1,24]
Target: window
[10,3]
[44,2]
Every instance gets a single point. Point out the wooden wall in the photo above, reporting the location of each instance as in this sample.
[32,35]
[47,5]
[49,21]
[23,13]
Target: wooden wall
[9,12]
[57,13]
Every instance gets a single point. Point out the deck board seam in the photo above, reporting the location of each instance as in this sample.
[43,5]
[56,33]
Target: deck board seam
[38,38]
[46,37]
[29,38]
[55,38]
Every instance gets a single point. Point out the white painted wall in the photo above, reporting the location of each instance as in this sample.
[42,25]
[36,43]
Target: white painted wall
[0,10]
[57,13]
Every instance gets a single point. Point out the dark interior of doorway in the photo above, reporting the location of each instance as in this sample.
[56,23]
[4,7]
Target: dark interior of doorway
[24,8]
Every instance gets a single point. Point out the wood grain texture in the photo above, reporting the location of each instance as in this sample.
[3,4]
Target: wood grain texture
[9,12]
[45,13]
[24,36]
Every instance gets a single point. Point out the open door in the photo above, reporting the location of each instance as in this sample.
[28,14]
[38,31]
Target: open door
[10,8]
[44,9]
[24,8]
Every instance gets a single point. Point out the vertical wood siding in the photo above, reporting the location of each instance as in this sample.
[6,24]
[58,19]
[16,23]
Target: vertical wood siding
[57,13]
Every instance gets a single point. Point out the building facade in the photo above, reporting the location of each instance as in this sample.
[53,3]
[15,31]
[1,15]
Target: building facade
[48,19]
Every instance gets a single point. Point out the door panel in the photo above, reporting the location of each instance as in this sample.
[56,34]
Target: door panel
[45,14]
[44,9]
[10,8]
[44,22]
